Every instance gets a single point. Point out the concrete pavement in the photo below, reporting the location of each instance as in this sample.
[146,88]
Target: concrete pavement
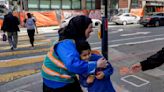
[33,82]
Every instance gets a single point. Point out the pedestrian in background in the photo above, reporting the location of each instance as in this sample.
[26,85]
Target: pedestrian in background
[30,25]
[100,80]
[63,62]
[10,25]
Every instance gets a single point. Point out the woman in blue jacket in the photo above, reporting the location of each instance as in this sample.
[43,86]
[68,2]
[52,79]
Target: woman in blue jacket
[63,61]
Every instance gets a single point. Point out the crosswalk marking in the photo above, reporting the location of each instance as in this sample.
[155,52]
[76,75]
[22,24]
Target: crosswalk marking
[42,45]
[15,75]
[27,45]
[3,54]
[17,62]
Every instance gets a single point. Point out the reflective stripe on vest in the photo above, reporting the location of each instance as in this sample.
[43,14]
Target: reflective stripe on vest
[54,60]
[53,73]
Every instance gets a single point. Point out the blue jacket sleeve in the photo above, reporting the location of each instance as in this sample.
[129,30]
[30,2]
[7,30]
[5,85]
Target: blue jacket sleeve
[68,54]
[108,71]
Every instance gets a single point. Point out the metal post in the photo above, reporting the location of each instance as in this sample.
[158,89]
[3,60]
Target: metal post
[104,28]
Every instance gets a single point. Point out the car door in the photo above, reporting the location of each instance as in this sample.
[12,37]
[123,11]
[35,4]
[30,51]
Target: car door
[134,18]
[162,19]
[127,18]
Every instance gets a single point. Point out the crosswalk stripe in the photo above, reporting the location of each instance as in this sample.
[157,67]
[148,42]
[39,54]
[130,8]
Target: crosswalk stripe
[15,75]
[26,42]
[18,62]
[3,54]
[27,45]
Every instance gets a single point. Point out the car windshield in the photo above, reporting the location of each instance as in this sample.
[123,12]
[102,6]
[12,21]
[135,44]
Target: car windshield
[149,14]
[153,14]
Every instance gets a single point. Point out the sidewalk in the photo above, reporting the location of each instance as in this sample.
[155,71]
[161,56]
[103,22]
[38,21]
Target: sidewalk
[33,83]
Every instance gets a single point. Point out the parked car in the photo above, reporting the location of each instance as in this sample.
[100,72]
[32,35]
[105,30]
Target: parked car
[125,18]
[152,19]
[95,22]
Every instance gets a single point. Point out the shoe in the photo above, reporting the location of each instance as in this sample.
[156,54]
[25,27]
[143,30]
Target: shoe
[32,48]
[12,48]
[15,48]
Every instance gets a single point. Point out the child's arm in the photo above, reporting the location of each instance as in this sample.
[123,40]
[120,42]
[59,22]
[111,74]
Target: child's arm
[90,79]
[108,71]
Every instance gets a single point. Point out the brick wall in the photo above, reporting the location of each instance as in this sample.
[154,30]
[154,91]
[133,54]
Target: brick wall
[123,3]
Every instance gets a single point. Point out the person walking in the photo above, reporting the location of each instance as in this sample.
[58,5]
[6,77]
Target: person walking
[10,25]
[30,25]
[62,62]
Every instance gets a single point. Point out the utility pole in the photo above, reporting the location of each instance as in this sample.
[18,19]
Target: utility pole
[129,5]
[104,28]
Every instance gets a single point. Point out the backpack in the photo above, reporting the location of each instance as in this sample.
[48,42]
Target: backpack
[30,24]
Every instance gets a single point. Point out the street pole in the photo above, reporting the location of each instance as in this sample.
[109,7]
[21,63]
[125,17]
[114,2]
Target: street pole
[104,28]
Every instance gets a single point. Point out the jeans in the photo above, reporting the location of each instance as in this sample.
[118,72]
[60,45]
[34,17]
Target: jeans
[12,39]
[31,33]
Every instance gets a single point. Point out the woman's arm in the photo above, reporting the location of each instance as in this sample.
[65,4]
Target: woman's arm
[67,52]
[153,61]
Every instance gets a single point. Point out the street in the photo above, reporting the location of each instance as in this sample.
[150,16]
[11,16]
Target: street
[127,45]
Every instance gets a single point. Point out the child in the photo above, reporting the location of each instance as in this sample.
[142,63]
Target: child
[100,81]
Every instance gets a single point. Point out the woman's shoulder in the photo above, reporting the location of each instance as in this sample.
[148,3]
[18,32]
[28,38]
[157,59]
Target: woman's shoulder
[67,41]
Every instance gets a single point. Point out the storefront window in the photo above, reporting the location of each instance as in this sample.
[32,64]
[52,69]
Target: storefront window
[66,4]
[33,4]
[93,4]
[56,4]
[89,4]
[76,4]
[44,4]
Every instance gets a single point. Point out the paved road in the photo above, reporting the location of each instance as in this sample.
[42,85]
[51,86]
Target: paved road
[18,80]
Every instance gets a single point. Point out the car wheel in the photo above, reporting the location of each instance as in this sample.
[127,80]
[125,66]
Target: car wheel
[156,24]
[124,23]
[145,25]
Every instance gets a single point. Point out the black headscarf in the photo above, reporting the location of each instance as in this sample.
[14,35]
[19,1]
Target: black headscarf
[75,28]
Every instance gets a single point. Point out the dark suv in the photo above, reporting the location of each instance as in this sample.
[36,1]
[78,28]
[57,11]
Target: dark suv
[153,19]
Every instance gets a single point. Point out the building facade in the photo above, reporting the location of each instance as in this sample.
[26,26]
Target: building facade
[153,6]
[41,5]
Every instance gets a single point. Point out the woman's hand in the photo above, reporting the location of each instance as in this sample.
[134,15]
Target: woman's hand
[102,63]
[135,68]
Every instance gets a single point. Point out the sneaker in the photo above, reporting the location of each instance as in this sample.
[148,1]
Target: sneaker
[32,48]
[12,48]
[15,48]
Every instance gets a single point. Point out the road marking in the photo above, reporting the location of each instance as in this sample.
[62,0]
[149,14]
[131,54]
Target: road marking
[137,33]
[134,38]
[117,31]
[16,75]
[3,54]
[27,45]
[22,61]
[145,82]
